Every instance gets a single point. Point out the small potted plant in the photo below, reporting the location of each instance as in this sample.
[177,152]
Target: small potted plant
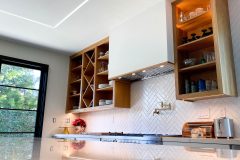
[79,125]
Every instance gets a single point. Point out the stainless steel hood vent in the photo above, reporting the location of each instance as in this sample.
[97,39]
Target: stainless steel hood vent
[151,72]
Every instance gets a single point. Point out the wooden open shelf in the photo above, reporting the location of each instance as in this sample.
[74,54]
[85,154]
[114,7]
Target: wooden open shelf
[92,109]
[104,73]
[105,57]
[105,89]
[86,64]
[217,45]
[76,81]
[200,95]
[200,20]
[75,95]
[199,67]
[77,68]
[197,44]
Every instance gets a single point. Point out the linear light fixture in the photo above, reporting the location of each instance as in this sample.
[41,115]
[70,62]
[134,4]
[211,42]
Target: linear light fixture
[44,24]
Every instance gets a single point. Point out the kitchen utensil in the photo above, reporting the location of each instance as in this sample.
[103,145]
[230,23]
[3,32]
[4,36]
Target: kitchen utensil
[184,40]
[193,87]
[223,128]
[208,85]
[103,86]
[102,102]
[204,34]
[210,30]
[181,16]
[74,92]
[193,36]
[199,11]
[197,37]
[189,62]
[206,128]
[192,14]
[111,83]
[214,85]
[187,86]
[101,53]
[197,132]
[108,102]
[201,85]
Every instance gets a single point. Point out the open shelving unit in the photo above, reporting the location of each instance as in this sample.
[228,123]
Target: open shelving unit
[192,42]
[74,87]
[91,70]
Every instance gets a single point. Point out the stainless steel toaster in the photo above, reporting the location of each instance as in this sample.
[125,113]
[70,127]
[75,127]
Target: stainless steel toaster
[223,128]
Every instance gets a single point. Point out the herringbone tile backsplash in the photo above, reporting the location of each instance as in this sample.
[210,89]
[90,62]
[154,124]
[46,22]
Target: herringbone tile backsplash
[146,96]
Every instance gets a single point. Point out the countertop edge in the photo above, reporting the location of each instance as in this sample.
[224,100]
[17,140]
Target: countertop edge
[235,141]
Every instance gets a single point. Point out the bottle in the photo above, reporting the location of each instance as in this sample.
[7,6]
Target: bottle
[193,87]
[187,86]
[201,85]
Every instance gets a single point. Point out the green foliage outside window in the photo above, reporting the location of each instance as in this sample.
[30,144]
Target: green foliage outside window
[19,77]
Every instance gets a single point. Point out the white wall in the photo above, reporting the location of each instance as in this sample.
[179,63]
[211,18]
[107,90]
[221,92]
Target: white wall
[146,96]
[57,80]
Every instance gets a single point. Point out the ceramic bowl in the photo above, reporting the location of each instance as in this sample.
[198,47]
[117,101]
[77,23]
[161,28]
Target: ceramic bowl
[109,102]
[103,86]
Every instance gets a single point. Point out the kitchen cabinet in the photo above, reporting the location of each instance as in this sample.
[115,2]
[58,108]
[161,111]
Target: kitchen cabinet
[88,70]
[142,41]
[204,66]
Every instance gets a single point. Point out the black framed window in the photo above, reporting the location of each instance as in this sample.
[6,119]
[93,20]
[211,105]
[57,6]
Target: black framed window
[23,87]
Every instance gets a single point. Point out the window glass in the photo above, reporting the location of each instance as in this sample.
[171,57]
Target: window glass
[16,98]
[17,121]
[19,76]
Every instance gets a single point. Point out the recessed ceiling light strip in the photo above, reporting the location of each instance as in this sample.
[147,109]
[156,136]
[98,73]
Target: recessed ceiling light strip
[70,14]
[24,18]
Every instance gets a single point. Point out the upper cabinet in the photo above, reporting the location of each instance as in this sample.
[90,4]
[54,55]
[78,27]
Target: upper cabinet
[204,65]
[89,88]
[141,42]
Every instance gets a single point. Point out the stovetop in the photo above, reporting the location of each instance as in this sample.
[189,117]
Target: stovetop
[120,137]
[127,134]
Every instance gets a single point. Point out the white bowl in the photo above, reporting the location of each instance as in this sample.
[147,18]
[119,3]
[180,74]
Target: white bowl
[109,102]
[102,103]
[103,86]
[111,83]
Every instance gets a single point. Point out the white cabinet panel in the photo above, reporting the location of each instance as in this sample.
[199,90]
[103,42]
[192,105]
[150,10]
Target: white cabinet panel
[142,41]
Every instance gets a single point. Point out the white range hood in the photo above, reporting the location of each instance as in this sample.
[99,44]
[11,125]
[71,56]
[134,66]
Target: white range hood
[143,44]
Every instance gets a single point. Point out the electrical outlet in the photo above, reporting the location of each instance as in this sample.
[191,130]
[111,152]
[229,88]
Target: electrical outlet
[67,120]
[204,113]
[54,120]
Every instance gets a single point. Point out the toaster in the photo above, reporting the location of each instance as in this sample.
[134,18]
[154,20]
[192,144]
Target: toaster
[223,128]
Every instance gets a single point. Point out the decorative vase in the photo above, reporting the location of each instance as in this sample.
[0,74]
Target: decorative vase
[79,129]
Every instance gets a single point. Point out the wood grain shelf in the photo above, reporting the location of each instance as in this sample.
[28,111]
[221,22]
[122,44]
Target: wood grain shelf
[85,65]
[92,109]
[218,44]
[198,67]
[104,73]
[197,44]
[77,68]
[105,57]
[105,89]
[76,81]
[200,20]
[75,95]
[200,95]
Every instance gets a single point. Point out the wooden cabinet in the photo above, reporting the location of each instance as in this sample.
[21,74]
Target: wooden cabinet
[142,42]
[89,69]
[204,66]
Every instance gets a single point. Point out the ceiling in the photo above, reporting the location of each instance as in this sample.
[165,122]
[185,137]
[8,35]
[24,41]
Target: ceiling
[66,26]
